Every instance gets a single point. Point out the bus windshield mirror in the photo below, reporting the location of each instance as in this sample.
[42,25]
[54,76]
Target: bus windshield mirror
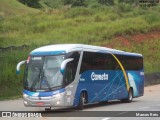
[64,63]
[19,65]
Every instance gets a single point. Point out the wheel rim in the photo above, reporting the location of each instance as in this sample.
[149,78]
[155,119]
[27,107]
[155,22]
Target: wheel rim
[83,100]
[130,95]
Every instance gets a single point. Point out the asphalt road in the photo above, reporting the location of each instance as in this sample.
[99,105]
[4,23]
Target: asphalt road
[149,102]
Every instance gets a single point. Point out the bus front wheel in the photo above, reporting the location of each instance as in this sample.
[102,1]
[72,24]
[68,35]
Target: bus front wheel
[48,109]
[81,101]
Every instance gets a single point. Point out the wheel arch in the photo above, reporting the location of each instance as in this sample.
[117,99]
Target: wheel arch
[84,91]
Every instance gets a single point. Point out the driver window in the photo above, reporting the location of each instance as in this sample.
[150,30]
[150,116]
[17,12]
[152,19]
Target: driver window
[70,72]
[71,67]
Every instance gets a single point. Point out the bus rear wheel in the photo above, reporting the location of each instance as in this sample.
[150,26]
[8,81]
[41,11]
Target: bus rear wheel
[82,101]
[129,98]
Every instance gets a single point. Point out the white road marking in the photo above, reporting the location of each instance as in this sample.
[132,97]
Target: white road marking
[105,118]
[143,108]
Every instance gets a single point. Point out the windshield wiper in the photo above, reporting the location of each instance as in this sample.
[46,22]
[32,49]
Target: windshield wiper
[38,78]
[46,81]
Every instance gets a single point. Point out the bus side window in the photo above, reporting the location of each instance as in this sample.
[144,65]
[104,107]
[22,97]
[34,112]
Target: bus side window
[71,67]
[111,63]
[87,62]
[70,72]
[131,62]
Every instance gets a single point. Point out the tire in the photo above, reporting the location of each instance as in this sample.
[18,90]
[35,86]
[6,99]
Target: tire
[81,101]
[48,109]
[129,98]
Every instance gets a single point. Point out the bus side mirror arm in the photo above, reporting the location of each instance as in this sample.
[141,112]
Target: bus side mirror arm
[19,65]
[64,63]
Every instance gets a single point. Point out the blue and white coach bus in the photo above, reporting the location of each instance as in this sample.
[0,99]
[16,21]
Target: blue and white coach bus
[72,75]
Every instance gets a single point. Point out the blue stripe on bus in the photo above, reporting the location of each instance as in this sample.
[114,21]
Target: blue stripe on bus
[43,94]
[49,53]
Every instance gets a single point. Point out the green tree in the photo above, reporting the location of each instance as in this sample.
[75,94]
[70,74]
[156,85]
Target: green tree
[31,3]
[106,2]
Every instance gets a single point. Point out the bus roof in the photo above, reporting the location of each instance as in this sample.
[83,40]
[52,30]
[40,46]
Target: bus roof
[65,48]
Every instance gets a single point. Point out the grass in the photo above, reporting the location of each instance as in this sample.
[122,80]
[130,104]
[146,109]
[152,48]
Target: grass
[151,53]
[10,82]
[76,25]
[90,25]
[14,8]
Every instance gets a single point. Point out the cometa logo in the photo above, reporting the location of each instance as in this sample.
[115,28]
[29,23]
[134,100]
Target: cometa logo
[103,76]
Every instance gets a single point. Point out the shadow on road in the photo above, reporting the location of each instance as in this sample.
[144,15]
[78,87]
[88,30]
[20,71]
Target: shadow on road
[67,112]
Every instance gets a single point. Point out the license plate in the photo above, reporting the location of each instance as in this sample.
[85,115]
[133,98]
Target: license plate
[40,103]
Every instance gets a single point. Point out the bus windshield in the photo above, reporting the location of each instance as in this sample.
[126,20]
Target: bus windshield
[43,73]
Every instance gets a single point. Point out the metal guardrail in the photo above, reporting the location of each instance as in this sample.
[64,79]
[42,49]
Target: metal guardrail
[152,79]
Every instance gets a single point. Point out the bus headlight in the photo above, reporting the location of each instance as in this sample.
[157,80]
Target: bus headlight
[25,95]
[58,102]
[57,96]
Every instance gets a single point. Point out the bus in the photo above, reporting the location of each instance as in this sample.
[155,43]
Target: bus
[73,75]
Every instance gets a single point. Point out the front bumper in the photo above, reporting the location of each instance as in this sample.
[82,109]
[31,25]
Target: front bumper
[57,100]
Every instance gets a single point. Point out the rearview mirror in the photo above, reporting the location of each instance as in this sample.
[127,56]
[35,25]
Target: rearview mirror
[19,65]
[64,63]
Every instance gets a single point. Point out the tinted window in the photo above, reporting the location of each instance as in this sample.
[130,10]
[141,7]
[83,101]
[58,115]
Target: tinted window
[98,61]
[131,62]
[104,61]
